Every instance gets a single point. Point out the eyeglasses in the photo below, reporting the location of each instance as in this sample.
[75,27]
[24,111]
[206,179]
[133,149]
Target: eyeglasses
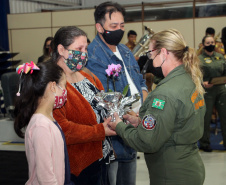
[148,53]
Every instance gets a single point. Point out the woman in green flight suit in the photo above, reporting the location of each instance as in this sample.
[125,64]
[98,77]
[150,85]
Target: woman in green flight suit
[171,120]
[213,65]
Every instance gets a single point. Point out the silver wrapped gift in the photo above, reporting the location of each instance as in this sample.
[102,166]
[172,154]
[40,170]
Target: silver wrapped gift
[116,102]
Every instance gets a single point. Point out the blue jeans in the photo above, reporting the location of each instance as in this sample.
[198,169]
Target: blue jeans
[122,173]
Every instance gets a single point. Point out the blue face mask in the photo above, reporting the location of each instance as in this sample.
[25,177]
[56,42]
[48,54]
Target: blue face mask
[76,60]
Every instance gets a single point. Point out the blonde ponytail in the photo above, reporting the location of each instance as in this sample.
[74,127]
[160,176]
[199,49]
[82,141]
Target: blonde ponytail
[192,66]
[173,41]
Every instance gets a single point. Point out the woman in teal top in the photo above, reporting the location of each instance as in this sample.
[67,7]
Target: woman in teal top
[213,65]
[171,120]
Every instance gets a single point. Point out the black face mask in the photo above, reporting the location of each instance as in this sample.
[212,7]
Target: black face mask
[157,71]
[209,48]
[47,50]
[113,37]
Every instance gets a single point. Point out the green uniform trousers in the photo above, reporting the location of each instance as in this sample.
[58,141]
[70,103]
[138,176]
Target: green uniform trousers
[214,96]
[176,165]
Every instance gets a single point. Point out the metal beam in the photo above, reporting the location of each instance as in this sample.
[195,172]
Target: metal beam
[68,8]
[55,2]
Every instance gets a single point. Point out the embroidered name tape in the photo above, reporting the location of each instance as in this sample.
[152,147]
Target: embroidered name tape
[149,122]
[158,104]
[217,58]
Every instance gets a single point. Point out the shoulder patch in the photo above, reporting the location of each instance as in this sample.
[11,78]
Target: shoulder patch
[158,104]
[207,60]
[149,122]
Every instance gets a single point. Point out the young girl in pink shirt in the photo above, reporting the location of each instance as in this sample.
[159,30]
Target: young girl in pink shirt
[42,88]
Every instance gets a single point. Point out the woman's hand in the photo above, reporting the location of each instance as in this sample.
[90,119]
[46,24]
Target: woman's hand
[133,120]
[117,120]
[207,85]
[107,128]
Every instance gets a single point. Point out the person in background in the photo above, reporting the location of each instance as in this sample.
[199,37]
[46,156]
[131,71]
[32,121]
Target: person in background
[210,31]
[218,45]
[46,50]
[132,36]
[81,120]
[42,89]
[88,41]
[105,50]
[213,65]
[171,119]
[223,40]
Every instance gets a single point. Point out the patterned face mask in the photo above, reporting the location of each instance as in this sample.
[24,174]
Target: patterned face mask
[76,60]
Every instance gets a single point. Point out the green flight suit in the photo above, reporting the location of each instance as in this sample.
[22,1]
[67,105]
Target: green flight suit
[213,66]
[172,123]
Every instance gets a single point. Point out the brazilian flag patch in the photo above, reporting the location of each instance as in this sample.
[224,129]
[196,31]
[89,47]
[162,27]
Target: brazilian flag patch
[158,104]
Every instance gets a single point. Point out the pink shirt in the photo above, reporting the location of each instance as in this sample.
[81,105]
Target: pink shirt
[45,152]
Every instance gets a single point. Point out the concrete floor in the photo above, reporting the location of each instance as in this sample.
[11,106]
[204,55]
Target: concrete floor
[215,166]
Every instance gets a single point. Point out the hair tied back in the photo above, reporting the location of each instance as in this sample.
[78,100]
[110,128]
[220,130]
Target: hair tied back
[25,68]
[186,48]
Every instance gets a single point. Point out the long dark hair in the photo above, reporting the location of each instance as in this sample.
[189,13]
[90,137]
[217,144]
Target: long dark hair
[223,38]
[65,36]
[32,89]
[46,52]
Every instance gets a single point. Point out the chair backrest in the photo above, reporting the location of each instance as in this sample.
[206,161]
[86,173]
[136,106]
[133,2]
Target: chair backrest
[9,83]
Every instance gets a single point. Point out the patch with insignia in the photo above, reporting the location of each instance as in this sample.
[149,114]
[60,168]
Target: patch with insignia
[208,60]
[149,122]
[217,58]
[158,104]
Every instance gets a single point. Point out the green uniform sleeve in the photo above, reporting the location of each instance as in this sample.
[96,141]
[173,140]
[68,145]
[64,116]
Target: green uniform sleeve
[161,121]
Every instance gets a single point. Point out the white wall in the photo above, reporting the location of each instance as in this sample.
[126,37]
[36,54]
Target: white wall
[27,32]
